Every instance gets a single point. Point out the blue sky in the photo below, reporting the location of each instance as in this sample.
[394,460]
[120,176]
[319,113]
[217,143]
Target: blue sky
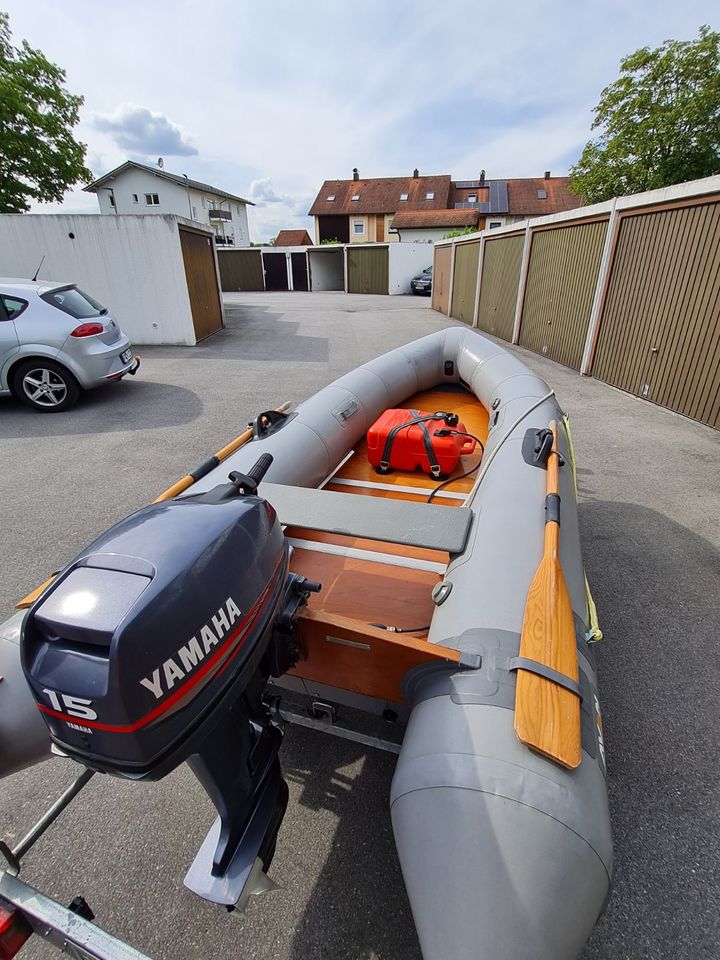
[267,100]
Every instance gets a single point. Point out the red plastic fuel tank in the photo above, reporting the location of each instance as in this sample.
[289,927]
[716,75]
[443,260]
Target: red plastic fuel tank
[396,442]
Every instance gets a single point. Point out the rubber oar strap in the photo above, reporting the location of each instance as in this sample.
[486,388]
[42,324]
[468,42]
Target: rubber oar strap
[542,670]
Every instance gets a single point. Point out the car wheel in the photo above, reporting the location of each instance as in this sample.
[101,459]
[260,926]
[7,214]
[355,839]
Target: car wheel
[46,386]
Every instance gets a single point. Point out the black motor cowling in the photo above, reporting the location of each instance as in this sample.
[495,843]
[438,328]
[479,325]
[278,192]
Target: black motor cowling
[155,644]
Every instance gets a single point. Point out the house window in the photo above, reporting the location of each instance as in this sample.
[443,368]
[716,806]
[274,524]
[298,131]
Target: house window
[355,196]
[472,198]
[494,224]
[238,209]
[358,227]
[112,199]
[152,200]
[194,210]
[403,196]
[542,195]
[430,196]
[135,198]
[330,197]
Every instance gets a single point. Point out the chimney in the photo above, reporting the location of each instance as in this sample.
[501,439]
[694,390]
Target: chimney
[547,174]
[416,173]
[356,175]
[482,177]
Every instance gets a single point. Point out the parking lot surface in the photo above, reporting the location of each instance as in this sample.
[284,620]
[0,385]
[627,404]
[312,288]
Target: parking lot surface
[650,522]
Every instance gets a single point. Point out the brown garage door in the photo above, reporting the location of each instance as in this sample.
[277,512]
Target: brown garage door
[465,281]
[660,328]
[202,282]
[561,281]
[441,279]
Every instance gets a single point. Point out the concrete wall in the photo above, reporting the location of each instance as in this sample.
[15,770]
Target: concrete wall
[327,268]
[173,199]
[406,261]
[132,265]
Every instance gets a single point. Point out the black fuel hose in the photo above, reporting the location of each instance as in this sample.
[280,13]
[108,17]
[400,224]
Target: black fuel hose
[457,433]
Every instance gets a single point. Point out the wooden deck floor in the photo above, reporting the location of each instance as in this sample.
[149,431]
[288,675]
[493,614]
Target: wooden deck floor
[367,583]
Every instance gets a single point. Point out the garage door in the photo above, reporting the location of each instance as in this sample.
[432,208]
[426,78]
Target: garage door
[276,273]
[660,329]
[299,271]
[202,282]
[499,285]
[465,281]
[367,270]
[241,270]
[561,281]
[441,279]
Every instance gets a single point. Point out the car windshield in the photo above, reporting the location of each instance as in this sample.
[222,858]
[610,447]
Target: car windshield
[74,302]
[428,270]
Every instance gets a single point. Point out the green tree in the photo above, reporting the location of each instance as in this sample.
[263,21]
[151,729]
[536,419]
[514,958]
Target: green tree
[39,158]
[659,121]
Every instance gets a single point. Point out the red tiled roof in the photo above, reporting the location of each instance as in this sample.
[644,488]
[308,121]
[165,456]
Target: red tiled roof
[434,218]
[381,195]
[523,196]
[292,238]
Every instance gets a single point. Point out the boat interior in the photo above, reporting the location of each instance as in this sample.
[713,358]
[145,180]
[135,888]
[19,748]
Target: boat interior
[372,589]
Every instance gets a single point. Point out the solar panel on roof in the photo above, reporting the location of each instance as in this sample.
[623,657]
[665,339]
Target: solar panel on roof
[498,197]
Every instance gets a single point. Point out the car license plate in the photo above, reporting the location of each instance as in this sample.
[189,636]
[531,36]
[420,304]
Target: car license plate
[126,356]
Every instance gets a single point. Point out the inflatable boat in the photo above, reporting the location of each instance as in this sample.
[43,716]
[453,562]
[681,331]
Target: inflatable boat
[452,603]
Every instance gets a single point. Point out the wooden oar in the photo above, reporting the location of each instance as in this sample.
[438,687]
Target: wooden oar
[547,714]
[207,465]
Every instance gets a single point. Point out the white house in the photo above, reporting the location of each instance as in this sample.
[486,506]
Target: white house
[135,188]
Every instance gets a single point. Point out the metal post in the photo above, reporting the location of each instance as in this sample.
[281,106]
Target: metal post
[51,815]
[521,285]
[600,287]
[450,278]
[478,281]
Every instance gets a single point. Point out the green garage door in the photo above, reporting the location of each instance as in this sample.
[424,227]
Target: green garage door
[561,281]
[499,285]
[367,270]
[465,281]
[241,270]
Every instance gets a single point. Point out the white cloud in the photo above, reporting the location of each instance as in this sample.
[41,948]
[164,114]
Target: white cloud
[143,132]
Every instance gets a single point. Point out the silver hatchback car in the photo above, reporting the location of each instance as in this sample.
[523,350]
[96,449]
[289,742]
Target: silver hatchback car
[56,340]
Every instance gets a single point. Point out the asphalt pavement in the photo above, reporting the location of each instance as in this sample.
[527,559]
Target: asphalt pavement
[650,522]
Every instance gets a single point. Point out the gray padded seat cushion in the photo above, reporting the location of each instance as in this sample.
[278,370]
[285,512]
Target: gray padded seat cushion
[354,515]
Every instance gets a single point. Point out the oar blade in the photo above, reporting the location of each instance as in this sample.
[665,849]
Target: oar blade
[547,715]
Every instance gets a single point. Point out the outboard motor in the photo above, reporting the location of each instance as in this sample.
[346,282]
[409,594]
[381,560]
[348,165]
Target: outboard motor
[154,647]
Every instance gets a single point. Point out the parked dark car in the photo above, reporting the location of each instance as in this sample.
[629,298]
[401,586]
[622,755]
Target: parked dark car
[422,283]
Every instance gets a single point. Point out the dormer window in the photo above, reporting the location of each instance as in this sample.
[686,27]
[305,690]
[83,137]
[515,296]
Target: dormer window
[330,197]
[542,195]
[430,196]
[403,196]
[355,196]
